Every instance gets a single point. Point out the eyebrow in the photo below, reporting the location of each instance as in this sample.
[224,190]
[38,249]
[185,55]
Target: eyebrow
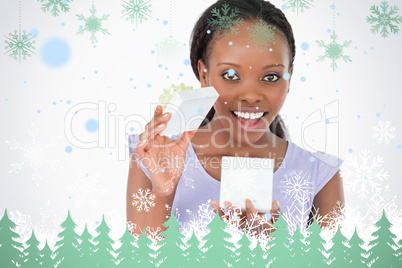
[264,67]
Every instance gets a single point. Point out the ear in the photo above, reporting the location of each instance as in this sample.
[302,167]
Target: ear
[290,76]
[203,75]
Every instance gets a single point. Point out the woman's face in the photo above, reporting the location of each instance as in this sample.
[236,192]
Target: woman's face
[247,78]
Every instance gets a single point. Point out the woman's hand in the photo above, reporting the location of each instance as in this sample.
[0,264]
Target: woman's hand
[163,157]
[251,219]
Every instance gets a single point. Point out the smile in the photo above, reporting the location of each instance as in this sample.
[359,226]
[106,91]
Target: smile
[248,121]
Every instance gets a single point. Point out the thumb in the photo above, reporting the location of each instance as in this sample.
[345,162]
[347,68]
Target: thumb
[185,139]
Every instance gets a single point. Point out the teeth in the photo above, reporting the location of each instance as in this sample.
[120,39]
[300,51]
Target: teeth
[249,115]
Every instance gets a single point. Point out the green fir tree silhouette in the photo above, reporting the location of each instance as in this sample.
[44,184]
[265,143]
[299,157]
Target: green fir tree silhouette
[47,253]
[298,250]
[315,248]
[193,252]
[85,250]
[340,250]
[381,252]
[399,252]
[66,255]
[244,252]
[356,252]
[219,251]
[259,256]
[32,256]
[144,255]
[103,246]
[279,252]
[126,251]
[11,250]
[171,253]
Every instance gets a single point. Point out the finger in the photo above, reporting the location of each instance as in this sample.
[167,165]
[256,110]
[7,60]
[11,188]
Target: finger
[275,210]
[157,119]
[185,139]
[250,210]
[216,207]
[154,134]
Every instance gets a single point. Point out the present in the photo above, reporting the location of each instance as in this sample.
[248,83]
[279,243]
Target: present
[188,107]
[247,177]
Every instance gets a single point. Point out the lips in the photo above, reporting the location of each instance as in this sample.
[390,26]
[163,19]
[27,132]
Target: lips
[248,124]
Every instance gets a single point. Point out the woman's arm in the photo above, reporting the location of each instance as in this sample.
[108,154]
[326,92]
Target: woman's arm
[326,199]
[136,180]
[158,213]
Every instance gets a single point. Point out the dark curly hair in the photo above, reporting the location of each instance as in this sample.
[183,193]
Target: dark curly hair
[249,10]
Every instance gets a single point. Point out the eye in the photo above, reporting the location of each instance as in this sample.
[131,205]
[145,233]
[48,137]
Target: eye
[230,75]
[270,78]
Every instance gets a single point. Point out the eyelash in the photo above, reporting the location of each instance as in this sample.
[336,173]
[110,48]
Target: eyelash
[225,76]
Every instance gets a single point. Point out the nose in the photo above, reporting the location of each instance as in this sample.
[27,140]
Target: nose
[250,92]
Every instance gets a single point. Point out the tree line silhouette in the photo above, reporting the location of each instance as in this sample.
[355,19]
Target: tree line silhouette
[283,250]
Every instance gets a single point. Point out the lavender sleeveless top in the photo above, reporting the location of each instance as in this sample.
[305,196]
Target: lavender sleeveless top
[301,175]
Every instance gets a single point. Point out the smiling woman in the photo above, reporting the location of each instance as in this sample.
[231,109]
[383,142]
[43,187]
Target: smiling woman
[248,57]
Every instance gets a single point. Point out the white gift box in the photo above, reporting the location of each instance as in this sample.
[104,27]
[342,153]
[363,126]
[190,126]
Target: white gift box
[188,109]
[247,177]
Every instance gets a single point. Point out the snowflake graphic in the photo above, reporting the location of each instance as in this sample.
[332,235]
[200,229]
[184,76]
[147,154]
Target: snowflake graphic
[137,10]
[87,189]
[169,50]
[380,202]
[297,5]
[132,227]
[261,35]
[20,44]
[189,181]
[297,186]
[24,225]
[297,215]
[54,4]
[34,155]
[143,200]
[383,132]
[92,24]
[364,178]
[384,19]
[334,51]
[44,231]
[225,22]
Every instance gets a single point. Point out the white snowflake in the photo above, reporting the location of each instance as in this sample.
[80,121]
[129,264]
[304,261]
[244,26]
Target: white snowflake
[364,178]
[87,189]
[296,186]
[143,200]
[380,202]
[48,227]
[34,155]
[24,224]
[383,132]
[188,181]
[132,228]
[199,222]
[297,215]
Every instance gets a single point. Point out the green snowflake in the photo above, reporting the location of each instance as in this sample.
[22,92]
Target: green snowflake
[334,51]
[169,50]
[20,44]
[297,5]
[226,21]
[55,6]
[136,9]
[92,24]
[384,19]
[261,35]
